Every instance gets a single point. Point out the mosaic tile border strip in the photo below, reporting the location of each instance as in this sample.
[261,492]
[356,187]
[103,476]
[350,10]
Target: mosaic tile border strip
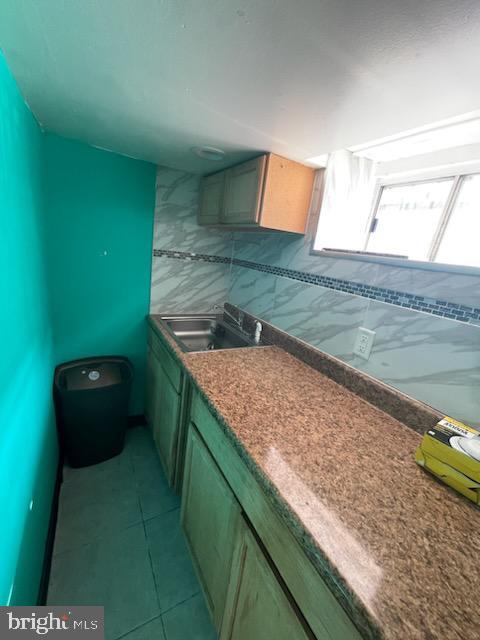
[187,255]
[440,308]
[433,306]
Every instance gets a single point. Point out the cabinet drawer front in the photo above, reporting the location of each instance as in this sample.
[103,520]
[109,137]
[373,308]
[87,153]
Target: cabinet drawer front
[318,605]
[171,368]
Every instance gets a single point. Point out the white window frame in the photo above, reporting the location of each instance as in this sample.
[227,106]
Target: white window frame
[458,173]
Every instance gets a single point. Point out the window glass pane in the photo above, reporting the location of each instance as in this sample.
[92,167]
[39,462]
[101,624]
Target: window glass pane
[407,218]
[461,241]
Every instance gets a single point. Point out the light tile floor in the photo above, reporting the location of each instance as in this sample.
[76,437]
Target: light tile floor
[119,544]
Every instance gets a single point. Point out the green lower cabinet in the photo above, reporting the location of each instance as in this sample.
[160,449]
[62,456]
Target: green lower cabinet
[166,409]
[257,607]
[273,590]
[211,517]
[166,423]
[151,386]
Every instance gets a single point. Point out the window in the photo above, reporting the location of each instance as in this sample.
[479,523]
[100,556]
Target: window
[406,218]
[460,242]
[434,220]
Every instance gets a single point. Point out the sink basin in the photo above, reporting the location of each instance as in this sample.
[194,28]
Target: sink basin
[205,333]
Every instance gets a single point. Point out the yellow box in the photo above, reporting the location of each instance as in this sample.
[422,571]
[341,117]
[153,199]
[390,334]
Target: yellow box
[451,452]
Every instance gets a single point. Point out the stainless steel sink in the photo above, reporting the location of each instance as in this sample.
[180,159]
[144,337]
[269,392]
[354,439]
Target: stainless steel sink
[205,333]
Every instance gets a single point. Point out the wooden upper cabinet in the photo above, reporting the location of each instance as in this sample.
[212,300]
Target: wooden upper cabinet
[287,192]
[269,192]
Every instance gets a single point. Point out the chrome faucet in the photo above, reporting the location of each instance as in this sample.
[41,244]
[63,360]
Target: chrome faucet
[238,321]
[258,332]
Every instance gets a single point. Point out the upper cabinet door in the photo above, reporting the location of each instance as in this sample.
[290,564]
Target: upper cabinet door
[211,199]
[243,192]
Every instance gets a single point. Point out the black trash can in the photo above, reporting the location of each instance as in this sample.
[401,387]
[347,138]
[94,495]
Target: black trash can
[91,401]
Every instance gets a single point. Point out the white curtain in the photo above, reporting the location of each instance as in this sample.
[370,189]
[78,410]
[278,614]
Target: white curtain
[347,202]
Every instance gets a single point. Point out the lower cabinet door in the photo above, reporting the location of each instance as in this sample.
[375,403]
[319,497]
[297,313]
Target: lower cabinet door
[151,387]
[166,421]
[210,518]
[257,607]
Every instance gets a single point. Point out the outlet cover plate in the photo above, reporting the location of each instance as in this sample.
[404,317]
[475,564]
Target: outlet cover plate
[364,342]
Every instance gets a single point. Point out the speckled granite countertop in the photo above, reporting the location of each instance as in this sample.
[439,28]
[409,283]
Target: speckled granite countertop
[399,550]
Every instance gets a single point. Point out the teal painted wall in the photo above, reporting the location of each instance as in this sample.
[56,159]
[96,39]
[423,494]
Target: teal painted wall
[28,452]
[99,226]
[75,256]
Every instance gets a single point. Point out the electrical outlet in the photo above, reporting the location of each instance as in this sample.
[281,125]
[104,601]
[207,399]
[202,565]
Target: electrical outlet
[364,342]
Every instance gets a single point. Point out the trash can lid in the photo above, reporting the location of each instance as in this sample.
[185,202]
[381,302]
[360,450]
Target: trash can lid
[92,373]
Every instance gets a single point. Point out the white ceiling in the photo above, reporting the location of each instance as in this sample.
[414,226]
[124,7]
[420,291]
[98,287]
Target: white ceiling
[152,78]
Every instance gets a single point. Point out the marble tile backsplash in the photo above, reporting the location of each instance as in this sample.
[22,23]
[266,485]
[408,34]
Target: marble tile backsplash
[434,359]
[185,286]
